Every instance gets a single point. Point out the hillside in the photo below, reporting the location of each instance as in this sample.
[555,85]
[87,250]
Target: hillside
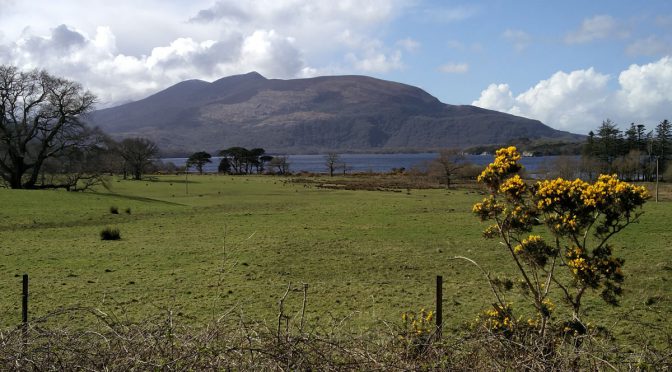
[341,113]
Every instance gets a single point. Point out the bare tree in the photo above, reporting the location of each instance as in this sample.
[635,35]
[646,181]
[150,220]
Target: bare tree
[332,161]
[40,118]
[447,164]
[280,163]
[137,154]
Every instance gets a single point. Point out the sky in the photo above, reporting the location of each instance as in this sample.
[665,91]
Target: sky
[570,64]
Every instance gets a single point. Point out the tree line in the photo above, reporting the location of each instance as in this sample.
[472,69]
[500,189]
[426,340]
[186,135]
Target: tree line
[633,154]
[239,160]
[46,143]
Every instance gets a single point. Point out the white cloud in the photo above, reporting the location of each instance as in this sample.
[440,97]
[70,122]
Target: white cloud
[578,101]
[519,39]
[454,68]
[408,44]
[650,46]
[596,28]
[450,14]
[373,62]
[115,77]
[496,97]
[147,46]
[646,90]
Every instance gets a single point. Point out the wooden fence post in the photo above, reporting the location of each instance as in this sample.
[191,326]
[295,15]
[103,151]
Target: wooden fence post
[439,305]
[24,307]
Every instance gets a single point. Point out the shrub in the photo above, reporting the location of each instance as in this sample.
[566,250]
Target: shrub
[110,233]
[572,212]
[114,209]
[128,210]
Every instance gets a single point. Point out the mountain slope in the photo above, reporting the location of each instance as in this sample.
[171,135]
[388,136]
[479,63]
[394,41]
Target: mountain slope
[340,113]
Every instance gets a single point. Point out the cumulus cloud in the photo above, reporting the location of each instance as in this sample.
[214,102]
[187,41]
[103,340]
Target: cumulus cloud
[579,100]
[646,90]
[114,77]
[140,50]
[596,28]
[454,68]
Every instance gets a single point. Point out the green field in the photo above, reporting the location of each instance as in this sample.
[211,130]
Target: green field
[232,245]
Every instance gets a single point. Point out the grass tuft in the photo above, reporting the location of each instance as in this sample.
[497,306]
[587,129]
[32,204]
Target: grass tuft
[110,233]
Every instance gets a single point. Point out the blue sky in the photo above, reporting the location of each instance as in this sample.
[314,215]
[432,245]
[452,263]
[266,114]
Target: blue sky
[570,64]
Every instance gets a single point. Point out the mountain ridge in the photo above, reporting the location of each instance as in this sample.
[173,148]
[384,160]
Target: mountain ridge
[327,113]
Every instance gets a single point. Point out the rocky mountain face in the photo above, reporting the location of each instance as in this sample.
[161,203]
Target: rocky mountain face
[333,113]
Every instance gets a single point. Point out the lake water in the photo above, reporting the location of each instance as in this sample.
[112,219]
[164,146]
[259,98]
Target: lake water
[377,163]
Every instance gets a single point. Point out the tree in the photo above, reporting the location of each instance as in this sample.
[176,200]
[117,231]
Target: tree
[609,143]
[447,164]
[198,160]
[79,168]
[331,161]
[254,160]
[664,143]
[224,166]
[238,158]
[40,118]
[280,163]
[138,154]
[571,212]
[263,160]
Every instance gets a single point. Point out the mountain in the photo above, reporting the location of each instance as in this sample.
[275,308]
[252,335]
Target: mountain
[331,113]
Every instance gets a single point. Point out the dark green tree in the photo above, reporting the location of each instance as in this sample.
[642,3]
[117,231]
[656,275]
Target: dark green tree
[238,158]
[663,144]
[198,160]
[254,160]
[609,144]
[224,166]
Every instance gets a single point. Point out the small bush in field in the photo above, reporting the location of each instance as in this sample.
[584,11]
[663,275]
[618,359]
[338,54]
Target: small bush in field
[110,233]
[114,209]
[128,210]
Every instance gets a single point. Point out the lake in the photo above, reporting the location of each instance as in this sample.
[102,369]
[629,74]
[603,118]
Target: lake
[377,163]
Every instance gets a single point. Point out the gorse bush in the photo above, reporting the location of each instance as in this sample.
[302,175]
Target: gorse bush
[579,217]
[114,209]
[110,233]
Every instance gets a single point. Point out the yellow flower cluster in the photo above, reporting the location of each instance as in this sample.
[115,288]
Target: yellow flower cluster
[418,323]
[576,261]
[499,319]
[487,207]
[534,250]
[527,242]
[547,306]
[564,223]
[513,186]
[559,192]
[608,188]
[505,163]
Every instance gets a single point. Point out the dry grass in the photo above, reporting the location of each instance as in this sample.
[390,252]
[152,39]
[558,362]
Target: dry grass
[161,343]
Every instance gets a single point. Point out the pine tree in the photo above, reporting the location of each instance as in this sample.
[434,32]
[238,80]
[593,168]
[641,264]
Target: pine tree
[663,144]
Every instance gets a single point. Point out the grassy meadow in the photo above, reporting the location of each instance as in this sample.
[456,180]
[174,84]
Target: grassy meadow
[230,247]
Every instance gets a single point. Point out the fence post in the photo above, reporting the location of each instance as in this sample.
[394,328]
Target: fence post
[439,305]
[24,307]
